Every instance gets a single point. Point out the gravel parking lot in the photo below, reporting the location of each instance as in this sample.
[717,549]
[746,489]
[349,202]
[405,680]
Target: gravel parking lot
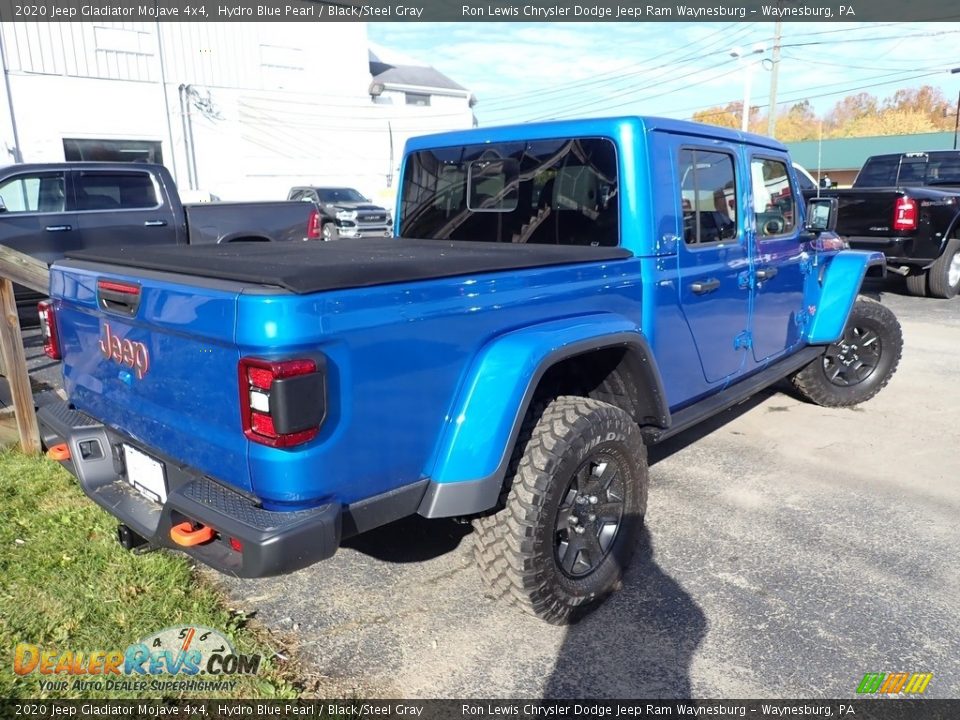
[789,550]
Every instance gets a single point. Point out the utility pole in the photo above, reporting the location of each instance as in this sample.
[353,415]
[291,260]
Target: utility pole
[956,124]
[772,112]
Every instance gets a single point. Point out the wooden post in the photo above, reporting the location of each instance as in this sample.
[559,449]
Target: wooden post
[15,267]
[11,349]
[24,270]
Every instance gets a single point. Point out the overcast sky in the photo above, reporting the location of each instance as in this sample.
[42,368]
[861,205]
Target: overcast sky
[532,71]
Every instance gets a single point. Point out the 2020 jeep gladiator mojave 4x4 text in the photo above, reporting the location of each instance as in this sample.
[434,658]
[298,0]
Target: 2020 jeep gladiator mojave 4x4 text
[562,294]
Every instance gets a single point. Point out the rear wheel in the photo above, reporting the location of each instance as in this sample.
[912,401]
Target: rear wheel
[860,364]
[572,513]
[917,283]
[944,275]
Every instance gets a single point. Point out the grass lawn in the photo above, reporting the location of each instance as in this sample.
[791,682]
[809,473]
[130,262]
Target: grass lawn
[66,585]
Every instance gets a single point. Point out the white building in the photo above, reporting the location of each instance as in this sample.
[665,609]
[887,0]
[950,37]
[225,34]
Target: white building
[240,110]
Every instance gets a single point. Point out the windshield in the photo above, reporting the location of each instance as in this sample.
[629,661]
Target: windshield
[335,195]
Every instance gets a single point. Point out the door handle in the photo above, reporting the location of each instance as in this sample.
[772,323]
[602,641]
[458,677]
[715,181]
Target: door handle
[155,223]
[58,228]
[702,287]
[766,273]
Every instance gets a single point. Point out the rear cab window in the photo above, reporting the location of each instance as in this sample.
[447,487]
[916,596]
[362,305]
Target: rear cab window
[910,169]
[563,192]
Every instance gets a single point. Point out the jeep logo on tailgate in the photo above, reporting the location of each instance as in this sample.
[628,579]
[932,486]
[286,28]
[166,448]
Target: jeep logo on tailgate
[126,352]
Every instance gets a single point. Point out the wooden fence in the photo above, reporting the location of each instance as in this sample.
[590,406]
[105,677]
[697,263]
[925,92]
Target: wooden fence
[15,267]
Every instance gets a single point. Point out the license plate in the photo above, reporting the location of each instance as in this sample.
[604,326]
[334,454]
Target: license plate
[145,474]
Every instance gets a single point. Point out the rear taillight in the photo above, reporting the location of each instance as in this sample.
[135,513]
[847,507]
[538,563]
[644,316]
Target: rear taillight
[314,225]
[282,404]
[48,329]
[905,214]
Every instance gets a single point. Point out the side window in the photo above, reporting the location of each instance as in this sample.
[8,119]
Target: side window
[115,191]
[42,192]
[774,200]
[708,195]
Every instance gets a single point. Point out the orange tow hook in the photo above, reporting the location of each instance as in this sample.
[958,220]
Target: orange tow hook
[59,452]
[184,534]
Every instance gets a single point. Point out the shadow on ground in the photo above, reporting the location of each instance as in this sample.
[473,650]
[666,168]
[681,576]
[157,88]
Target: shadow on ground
[410,540]
[638,644]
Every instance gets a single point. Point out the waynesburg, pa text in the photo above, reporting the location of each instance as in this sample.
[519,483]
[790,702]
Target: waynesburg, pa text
[630,12]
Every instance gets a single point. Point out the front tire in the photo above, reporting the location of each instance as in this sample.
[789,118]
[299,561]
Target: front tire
[943,277]
[571,513]
[329,232]
[860,364]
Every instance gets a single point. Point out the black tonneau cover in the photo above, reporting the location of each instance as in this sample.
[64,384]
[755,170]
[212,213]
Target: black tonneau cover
[313,266]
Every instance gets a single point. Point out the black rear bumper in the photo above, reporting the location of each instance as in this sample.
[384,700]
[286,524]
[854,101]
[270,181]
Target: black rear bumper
[913,251]
[271,542]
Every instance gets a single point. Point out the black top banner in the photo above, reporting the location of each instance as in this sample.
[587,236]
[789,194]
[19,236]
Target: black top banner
[359,709]
[479,10]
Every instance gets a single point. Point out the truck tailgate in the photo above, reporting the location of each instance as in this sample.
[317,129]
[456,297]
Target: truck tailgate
[159,364]
[865,212]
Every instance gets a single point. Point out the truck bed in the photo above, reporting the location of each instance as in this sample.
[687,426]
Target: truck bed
[310,267]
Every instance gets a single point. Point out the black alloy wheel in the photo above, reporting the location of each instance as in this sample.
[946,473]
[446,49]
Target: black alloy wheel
[589,516]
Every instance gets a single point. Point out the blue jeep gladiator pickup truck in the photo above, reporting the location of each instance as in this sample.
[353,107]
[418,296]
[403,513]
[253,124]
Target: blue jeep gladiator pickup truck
[561,295]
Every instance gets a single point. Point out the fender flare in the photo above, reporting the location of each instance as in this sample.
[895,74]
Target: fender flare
[839,287]
[473,455]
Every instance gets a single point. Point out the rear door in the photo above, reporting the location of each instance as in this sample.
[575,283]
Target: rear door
[713,254]
[781,259]
[121,207]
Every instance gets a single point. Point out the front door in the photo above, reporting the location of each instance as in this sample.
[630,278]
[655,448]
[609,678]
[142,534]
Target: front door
[781,259]
[713,257]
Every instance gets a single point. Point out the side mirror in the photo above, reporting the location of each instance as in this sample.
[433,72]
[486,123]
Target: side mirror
[822,214]
[3,206]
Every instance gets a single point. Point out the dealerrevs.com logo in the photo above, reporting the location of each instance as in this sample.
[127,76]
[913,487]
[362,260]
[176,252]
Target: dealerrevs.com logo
[894,683]
[197,658]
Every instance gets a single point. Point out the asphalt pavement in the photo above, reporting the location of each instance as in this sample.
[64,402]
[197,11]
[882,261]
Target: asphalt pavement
[789,549]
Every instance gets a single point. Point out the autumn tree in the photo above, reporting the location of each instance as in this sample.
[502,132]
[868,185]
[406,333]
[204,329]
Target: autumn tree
[907,111]
[729,116]
[798,122]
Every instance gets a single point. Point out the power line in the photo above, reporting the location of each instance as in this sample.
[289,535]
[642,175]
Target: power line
[574,108]
[524,98]
[811,61]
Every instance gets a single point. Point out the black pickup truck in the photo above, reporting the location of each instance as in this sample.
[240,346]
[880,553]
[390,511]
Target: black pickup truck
[908,206]
[48,210]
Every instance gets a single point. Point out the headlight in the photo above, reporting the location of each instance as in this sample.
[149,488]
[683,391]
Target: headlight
[347,215]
